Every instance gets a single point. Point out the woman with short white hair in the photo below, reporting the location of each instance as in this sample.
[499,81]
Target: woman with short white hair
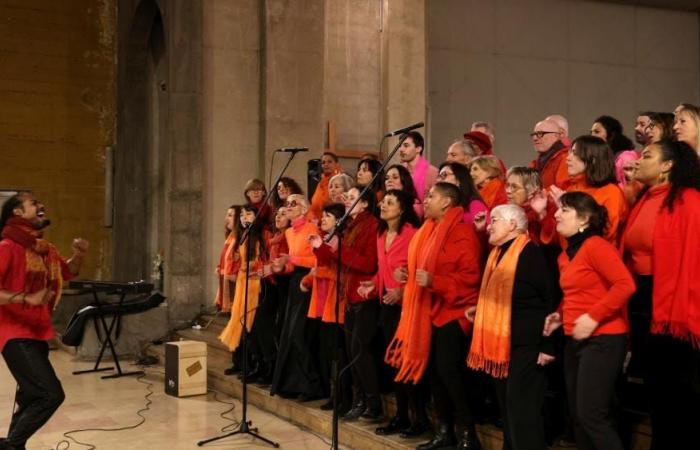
[517,292]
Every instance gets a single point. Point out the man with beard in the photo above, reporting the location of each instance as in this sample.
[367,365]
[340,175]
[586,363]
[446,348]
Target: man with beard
[31,277]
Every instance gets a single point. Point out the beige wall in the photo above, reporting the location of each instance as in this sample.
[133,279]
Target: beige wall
[512,62]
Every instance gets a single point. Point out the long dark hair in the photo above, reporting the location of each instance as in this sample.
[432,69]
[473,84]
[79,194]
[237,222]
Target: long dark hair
[369,197]
[290,184]
[617,140]
[585,205]
[374,166]
[406,180]
[466,184]
[236,220]
[598,158]
[685,171]
[256,236]
[664,121]
[8,208]
[408,214]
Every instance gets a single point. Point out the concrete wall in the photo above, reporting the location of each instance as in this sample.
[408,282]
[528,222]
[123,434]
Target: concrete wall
[57,114]
[513,62]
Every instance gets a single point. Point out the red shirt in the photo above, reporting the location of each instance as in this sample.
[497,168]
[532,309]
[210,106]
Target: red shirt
[596,282]
[21,321]
[639,235]
[457,276]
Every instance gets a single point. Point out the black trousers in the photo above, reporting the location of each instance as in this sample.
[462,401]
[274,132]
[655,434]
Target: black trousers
[360,330]
[39,392]
[448,375]
[407,395]
[264,327]
[674,386]
[521,399]
[592,367]
[639,313]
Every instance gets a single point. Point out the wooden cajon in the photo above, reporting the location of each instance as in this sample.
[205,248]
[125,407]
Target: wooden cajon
[185,368]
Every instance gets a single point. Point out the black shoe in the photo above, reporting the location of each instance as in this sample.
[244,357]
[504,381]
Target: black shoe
[232,370]
[415,430]
[356,411]
[469,440]
[374,411]
[395,425]
[308,397]
[443,438]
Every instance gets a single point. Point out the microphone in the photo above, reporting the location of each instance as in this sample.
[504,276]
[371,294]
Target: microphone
[405,130]
[292,149]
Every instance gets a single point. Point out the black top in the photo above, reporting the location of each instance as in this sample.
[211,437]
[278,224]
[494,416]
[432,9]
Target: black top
[534,297]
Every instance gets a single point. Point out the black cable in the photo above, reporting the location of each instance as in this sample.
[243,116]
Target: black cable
[147,407]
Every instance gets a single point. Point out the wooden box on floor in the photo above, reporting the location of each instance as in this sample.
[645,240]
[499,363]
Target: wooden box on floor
[185,368]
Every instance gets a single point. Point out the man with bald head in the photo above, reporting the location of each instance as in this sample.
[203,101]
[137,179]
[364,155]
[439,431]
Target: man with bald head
[551,153]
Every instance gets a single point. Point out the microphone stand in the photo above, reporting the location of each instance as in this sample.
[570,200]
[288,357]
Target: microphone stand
[338,231]
[245,425]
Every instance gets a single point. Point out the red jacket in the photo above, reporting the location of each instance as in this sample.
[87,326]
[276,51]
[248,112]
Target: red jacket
[455,284]
[390,260]
[554,171]
[596,282]
[358,256]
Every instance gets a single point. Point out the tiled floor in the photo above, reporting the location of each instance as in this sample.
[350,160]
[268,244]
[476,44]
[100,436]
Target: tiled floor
[171,423]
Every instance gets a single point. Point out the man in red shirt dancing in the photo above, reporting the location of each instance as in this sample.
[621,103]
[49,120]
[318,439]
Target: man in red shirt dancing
[31,277]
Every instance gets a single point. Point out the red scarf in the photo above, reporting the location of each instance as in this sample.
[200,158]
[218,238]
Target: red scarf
[43,263]
[409,351]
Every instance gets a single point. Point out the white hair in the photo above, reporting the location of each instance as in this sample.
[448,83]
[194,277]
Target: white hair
[514,213]
[561,122]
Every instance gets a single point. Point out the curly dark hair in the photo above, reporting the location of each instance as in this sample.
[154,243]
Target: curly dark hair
[617,140]
[289,183]
[408,214]
[586,206]
[685,171]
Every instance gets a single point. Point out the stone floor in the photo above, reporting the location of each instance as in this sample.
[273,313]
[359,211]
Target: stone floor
[171,423]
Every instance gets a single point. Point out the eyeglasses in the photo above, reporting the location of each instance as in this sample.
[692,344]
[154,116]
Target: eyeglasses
[513,187]
[444,175]
[540,134]
[292,204]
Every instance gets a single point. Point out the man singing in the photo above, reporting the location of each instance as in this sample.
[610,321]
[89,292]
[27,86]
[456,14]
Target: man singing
[31,276]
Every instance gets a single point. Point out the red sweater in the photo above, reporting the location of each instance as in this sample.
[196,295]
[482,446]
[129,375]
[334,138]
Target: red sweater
[358,256]
[457,276]
[596,282]
[22,321]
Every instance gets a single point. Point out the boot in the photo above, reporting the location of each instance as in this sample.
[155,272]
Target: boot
[356,411]
[469,439]
[374,411]
[443,438]
[415,429]
[395,425]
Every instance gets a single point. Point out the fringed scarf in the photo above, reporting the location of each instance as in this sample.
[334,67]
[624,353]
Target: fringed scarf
[409,350]
[43,263]
[490,349]
[231,336]
[223,293]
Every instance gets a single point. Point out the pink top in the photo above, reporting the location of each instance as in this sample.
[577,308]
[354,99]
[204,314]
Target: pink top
[395,257]
[475,207]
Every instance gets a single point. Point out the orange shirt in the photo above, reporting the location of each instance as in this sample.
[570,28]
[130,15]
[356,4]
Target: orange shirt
[300,251]
[638,240]
[554,171]
[598,283]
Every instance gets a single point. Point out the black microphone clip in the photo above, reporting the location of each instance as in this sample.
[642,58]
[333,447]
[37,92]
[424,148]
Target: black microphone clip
[405,130]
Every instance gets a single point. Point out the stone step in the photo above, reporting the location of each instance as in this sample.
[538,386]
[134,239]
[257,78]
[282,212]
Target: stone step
[355,435]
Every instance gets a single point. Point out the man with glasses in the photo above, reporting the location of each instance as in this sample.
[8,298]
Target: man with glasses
[551,154]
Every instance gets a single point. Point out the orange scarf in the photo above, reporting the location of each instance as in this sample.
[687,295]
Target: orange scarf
[223,293]
[490,349]
[493,193]
[409,350]
[43,263]
[231,336]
